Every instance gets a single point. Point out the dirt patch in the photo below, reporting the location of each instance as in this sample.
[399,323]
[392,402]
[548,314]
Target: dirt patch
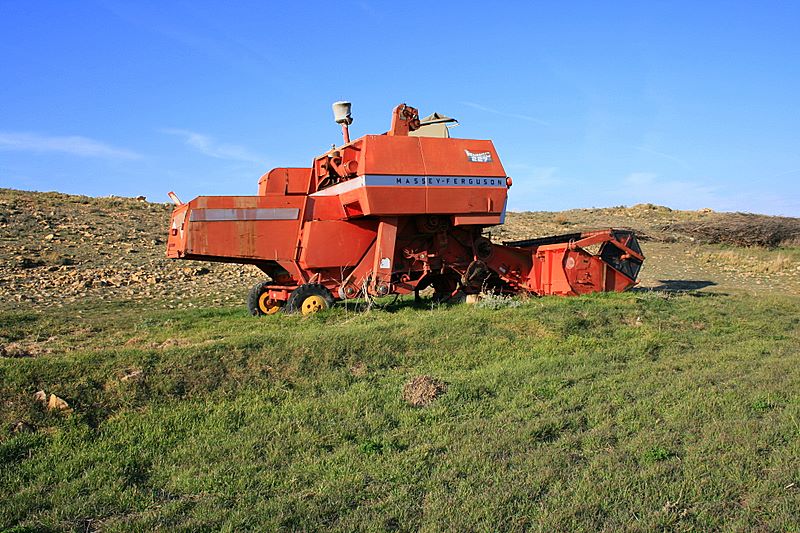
[358,370]
[19,350]
[422,390]
[133,341]
[173,343]
[13,350]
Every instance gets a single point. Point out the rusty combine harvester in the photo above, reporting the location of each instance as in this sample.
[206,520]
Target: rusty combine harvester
[392,214]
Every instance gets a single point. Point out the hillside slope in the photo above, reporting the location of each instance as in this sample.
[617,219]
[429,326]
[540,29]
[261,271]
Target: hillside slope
[57,248]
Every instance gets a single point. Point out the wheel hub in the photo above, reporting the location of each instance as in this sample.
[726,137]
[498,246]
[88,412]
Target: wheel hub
[313,304]
[267,305]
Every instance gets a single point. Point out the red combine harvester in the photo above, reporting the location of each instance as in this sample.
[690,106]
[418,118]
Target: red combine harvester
[392,214]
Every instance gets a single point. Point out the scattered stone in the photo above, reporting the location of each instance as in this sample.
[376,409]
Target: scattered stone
[133,375]
[172,343]
[57,404]
[631,321]
[358,370]
[40,396]
[21,427]
[422,390]
[28,262]
[196,271]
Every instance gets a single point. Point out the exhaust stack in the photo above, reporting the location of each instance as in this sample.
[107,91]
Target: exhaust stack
[341,114]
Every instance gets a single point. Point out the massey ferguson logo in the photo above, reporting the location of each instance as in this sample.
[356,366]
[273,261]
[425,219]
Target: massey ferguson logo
[479,157]
[433,181]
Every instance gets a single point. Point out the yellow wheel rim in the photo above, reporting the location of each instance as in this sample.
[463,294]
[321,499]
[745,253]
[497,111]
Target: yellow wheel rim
[267,305]
[312,304]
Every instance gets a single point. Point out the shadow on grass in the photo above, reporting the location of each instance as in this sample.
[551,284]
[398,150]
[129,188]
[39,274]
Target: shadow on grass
[393,304]
[678,285]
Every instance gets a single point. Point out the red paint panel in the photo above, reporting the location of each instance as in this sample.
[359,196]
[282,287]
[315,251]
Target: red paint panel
[253,239]
[284,181]
[465,200]
[176,240]
[448,157]
[336,243]
[230,236]
[384,154]
[393,200]
[324,208]
[298,180]
[427,156]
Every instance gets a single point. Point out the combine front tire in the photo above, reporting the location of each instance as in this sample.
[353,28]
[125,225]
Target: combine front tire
[309,299]
[259,302]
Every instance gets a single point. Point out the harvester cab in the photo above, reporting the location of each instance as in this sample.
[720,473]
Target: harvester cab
[392,214]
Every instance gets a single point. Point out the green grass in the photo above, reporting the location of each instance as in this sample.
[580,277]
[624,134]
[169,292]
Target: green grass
[631,411]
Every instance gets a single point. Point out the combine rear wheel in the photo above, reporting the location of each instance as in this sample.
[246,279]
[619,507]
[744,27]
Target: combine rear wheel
[309,299]
[259,302]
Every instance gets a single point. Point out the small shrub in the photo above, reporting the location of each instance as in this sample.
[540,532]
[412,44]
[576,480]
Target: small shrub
[29,262]
[656,454]
[561,220]
[743,229]
[489,300]
[762,405]
[371,447]
[56,259]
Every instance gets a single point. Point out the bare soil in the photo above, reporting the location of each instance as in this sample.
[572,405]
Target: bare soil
[57,249]
[422,390]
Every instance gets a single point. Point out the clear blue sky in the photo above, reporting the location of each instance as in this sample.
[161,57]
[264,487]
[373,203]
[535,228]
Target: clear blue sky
[686,104]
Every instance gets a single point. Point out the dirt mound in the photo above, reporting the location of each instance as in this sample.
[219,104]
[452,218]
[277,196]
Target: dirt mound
[743,229]
[422,390]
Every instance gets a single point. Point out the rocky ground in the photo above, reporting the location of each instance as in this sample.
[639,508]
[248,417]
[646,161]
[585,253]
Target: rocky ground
[58,249]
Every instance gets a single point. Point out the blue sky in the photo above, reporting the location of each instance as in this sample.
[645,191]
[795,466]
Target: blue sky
[685,104]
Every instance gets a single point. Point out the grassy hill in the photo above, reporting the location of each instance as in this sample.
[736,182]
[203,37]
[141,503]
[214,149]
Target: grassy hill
[660,408]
